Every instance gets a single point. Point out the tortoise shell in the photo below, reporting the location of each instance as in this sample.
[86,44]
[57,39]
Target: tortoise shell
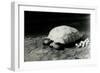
[64,34]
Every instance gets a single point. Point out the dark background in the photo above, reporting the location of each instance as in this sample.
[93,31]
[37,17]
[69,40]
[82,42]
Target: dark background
[40,23]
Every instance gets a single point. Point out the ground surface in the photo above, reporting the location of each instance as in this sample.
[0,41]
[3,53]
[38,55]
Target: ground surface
[35,51]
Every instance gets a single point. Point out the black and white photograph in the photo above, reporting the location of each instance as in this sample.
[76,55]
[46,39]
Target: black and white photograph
[56,36]
[47,36]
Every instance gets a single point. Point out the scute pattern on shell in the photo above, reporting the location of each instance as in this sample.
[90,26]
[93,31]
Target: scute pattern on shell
[64,34]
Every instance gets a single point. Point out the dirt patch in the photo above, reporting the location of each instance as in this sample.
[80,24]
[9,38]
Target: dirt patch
[34,50]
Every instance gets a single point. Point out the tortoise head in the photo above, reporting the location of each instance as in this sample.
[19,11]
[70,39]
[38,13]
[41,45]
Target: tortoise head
[51,43]
[56,45]
[47,41]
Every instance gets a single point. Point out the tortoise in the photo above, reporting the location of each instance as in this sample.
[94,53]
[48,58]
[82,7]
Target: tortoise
[64,36]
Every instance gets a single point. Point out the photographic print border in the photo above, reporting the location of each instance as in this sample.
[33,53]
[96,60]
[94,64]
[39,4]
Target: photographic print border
[17,36]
